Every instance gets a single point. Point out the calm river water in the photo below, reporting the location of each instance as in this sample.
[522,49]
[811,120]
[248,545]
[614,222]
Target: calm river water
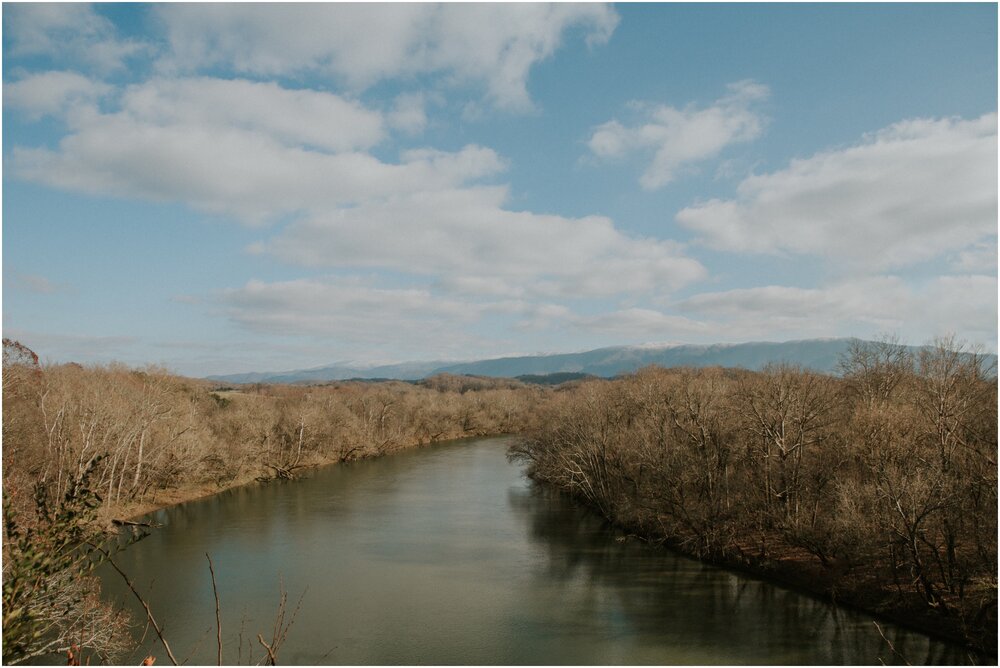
[447,555]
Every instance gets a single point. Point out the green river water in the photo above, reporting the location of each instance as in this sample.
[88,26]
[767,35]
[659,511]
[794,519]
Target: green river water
[448,555]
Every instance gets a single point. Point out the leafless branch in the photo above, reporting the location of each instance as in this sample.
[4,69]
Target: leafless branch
[272,659]
[889,643]
[142,601]
[218,617]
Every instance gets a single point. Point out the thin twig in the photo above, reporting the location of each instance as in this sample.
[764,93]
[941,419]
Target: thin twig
[295,612]
[270,652]
[328,653]
[218,618]
[281,627]
[889,643]
[196,647]
[149,613]
[239,646]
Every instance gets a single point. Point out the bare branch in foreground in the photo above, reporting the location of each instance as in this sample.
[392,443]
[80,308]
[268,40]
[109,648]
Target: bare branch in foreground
[218,617]
[149,613]
[889,643]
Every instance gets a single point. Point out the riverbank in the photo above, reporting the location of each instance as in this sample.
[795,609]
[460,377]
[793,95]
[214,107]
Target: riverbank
[799,570]
[874,499]
[86,445]
[173,496]
[452,536]
[789,567]
[785,565]
[875,489]
[146,439]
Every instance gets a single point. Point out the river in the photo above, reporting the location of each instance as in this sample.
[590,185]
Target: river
[448,555]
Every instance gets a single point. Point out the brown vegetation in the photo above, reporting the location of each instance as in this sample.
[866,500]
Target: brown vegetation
[129,440]
[152,432]
[879,486]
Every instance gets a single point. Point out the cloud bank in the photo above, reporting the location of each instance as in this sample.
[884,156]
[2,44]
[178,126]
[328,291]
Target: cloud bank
[491,45]
[903,195]
[308,122]
[679,138]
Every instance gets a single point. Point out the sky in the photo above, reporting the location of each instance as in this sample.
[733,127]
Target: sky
[221,188]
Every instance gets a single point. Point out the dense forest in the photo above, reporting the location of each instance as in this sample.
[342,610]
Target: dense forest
[87,445]
[878,485]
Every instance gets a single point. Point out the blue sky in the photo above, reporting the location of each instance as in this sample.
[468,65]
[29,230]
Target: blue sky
[224,188]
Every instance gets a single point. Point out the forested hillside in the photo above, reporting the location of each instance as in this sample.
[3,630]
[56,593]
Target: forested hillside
[85,445]
[878,487]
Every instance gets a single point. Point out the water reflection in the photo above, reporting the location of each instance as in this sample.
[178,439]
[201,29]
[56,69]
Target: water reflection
[697,609]
[446,555]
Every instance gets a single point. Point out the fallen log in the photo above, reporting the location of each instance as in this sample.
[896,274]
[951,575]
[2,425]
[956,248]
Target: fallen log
[283,472]
[130,523]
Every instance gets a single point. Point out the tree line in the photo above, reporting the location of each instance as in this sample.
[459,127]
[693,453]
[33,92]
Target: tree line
[878,485]
[146,430]
[85,445]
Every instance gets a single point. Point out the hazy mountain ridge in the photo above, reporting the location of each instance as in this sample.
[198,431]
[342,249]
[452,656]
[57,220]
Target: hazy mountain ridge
[821,355]
[401,371]
[817,354]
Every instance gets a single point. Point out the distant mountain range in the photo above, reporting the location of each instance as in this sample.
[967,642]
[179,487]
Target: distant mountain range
[818,354]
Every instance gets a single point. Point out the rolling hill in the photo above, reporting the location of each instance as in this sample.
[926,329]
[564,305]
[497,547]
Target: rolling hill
[818,354]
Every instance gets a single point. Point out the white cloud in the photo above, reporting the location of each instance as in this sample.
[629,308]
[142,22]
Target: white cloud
[258,152]
[81,348]
[292,117]
[640,324]
[495,45]
[472,243]
[681,137]
[917,309]
[352,311]
[72,34]
[197,142]
[782,307]
[52,93]
[535,315]
[908,193]
[408,113]
[859,307]
[980,258]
